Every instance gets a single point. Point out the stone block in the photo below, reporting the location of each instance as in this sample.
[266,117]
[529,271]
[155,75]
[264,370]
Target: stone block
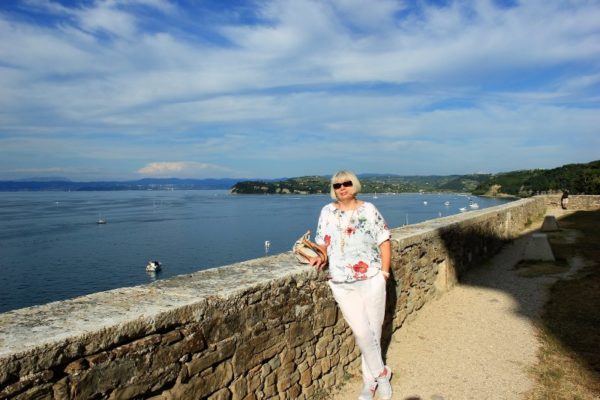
[299,333]
[270,379]
[239,388]
[223,394]
[76,367]
[270,391]
[60,390]
[101,379]
[129,392]
[38,392]
[325,364]
[203,385]
[164,376]
[316,371]
[171,337]
[99,358]
[538,248]
[293,392]
[327,316]
[306,378]
[303,366]
[254,351]
[143,345]
[275,362]
[265,370]
[221,351]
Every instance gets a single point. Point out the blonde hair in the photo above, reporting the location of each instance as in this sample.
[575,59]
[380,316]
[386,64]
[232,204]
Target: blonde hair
[342,176]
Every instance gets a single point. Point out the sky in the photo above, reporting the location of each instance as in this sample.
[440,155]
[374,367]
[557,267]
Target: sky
[119,90]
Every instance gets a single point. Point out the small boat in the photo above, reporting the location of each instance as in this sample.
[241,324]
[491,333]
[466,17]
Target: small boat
[446,203]
[101,221]
[153,266]
[473,205]
[425,203]
[463,209]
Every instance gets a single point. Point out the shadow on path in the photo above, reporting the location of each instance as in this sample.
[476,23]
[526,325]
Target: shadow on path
[572,306]
[570,310]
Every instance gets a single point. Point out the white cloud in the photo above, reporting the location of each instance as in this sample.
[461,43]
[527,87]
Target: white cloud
[188,169]
[105,18]
[308,69]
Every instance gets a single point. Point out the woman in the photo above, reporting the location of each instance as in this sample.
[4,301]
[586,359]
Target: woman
[564,200]
[357,241]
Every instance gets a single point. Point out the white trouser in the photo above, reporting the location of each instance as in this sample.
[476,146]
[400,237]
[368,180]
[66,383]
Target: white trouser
[363,306]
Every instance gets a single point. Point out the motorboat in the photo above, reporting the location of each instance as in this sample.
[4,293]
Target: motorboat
[446,203]
[153,266]
[473,205]
[101,221]
[463,209]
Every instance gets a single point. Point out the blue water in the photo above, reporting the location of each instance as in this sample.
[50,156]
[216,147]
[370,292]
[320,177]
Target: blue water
[51,247]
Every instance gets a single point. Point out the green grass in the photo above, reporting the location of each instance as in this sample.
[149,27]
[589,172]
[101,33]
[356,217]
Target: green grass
[534,269]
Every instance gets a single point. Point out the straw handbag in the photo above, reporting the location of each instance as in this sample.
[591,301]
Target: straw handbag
[304,249]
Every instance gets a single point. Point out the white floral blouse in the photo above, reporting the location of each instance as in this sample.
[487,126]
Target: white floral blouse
[352,239]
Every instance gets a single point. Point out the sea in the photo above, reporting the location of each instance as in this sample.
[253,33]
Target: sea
[52,248]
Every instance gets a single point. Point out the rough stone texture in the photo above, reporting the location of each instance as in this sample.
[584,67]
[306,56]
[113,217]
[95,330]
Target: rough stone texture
[263,328]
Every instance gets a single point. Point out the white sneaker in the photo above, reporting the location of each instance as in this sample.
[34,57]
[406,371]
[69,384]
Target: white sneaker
[384,389]
[368,391]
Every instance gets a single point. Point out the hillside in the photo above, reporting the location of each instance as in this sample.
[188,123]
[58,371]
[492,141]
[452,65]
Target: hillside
[371,183]
[575,178]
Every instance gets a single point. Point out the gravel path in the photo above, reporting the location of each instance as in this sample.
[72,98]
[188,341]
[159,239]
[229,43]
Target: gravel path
[476,342]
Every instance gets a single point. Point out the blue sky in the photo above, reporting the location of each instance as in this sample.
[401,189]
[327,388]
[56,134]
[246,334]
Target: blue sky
[93,90]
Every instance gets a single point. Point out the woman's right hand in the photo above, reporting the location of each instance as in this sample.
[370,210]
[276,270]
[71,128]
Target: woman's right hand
[317,262]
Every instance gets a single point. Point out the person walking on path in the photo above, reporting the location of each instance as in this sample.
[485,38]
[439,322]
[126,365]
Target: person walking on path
[357,241]
[564,200]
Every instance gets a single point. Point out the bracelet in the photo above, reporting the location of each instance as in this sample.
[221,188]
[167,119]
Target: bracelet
[385,273]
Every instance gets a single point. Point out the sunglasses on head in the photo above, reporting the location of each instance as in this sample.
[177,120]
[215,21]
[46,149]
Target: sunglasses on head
[344,184]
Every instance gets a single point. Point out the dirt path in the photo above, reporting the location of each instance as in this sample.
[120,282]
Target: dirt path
[475,342]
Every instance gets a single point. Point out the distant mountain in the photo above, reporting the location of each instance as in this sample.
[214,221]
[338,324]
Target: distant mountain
[141,184]
[45,179]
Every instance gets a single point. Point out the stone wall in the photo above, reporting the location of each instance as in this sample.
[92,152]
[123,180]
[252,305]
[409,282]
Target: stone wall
[578,202]
[262,329]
